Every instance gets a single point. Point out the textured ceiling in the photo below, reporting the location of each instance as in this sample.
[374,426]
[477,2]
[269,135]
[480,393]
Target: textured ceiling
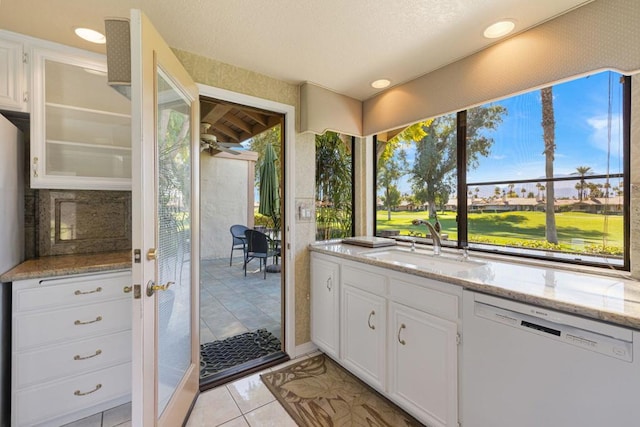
[342,45]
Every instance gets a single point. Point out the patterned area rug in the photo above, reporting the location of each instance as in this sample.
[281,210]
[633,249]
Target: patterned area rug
[217,356]
[319,392]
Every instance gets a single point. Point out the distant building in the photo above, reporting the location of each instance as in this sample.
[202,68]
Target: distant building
[599,205]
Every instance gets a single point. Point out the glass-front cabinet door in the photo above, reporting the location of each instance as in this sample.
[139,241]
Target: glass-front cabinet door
[81,127]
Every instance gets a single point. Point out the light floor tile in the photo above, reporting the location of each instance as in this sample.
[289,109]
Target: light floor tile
[214,407]
[116,416]
[92,421]
[270,415]
[250,393]
[285,364]
[236,422]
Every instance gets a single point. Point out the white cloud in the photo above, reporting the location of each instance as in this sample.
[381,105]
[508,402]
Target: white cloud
[599,137]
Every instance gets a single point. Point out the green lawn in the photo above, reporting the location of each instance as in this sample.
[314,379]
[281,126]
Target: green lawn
[574,228]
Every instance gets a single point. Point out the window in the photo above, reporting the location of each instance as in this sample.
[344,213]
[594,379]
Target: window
[545,174]
[416,178]
[334,186]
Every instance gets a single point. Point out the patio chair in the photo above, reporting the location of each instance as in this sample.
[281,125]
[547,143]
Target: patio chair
[258,246]
[239,241]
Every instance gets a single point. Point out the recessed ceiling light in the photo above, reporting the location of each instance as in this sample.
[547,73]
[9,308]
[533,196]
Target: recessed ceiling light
[381,83]
[90,35]
[499,29]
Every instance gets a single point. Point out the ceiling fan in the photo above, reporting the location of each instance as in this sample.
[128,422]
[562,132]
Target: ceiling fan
[210,142]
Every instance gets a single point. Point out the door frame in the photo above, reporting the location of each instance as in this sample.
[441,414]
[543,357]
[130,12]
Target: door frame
[289,199]
[149,52]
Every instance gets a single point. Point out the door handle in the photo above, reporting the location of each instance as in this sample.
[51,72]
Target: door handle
[152,254]
[152,287]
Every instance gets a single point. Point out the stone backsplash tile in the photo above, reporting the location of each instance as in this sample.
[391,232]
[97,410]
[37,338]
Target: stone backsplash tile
[79,222]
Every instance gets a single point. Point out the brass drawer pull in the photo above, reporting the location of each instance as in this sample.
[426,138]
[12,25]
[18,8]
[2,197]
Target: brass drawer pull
[78,357]
[373,313]
[79,292]
[400,340]
[80,322]
[80,393]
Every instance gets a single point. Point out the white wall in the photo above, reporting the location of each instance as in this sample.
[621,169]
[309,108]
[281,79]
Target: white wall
[226,198]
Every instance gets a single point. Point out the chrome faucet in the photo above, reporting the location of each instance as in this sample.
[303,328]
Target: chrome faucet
[435,235]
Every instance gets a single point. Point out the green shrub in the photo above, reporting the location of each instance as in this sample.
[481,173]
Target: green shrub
[603,250]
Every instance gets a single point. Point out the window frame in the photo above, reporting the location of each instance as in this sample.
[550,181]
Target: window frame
[462,210]
[353,192]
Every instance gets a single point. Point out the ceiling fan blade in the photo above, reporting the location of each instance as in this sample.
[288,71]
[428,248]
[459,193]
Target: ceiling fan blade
[225,149]
[230,144]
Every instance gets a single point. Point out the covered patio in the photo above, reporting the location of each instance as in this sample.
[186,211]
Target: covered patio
[231,304]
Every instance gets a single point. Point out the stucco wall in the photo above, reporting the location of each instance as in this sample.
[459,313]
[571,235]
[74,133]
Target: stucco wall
[305,232]
[214,73]
[226,186]
[218,74]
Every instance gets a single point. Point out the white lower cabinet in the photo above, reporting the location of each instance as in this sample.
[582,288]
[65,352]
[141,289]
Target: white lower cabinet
[423,365]
[71,347]
[325,276]
[363,325]
[399,334]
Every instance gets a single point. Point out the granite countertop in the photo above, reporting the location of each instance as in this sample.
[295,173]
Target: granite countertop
[611,296]
[62,265]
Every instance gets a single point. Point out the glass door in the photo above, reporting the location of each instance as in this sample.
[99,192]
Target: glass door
[165,116]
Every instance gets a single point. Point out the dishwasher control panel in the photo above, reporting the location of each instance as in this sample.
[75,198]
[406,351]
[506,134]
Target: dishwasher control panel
[571,335]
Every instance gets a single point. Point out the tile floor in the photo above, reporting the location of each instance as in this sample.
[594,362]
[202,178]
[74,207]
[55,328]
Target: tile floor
[119,416]
[231,304]
[246,402]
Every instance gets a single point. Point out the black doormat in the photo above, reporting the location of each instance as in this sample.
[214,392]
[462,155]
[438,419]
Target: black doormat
[217,356]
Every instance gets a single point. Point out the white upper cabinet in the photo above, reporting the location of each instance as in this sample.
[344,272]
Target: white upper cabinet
[12,74]
[80,127]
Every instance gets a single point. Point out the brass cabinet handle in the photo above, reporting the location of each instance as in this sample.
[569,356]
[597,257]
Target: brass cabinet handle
[373,313]
[80,322]
[81,393]
[329,283]
[35,167]
[79,292]
[400,340]
[127,289]
[78,357]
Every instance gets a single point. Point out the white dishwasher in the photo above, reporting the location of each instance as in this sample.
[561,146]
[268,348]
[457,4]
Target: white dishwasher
[526,366]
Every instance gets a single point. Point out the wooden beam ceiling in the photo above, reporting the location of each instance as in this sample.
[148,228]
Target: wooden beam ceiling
[236,123]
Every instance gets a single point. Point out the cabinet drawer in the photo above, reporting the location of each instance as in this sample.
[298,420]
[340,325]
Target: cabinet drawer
[56,293]
[365,280]
[39,366]
[43,328]
[424,298]
[42,403]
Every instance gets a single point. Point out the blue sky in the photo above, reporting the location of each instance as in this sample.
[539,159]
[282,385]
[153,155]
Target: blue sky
[582,128]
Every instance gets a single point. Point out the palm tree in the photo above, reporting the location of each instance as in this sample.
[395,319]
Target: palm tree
[496,192]
[523,191]
[582,171]
[549,135]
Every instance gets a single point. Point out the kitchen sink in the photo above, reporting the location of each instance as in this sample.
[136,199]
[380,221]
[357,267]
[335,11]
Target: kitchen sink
[424,260]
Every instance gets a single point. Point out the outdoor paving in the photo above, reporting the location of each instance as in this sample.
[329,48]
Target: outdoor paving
[231,304]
